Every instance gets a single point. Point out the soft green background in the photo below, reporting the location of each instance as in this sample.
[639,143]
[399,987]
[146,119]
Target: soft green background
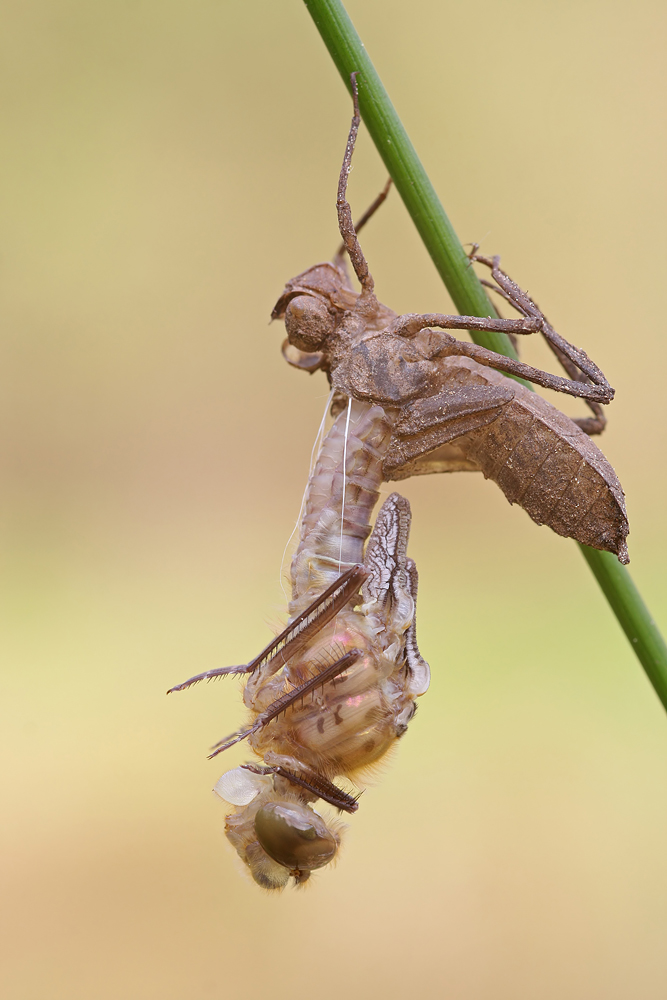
[166,167]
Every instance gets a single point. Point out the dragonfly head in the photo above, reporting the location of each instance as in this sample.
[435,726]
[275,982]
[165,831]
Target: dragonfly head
[295,836]
[276,835]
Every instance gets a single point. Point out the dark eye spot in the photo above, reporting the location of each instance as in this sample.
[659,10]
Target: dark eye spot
[295,837]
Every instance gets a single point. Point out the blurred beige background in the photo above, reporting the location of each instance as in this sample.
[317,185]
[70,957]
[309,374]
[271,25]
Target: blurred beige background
[166,167]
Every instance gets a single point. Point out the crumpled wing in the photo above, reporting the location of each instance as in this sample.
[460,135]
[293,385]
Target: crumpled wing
[392,583]
[419,668]
[386,553]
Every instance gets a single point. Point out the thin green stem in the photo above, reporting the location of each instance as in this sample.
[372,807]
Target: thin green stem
[633,616]
[405,168]
[394,146]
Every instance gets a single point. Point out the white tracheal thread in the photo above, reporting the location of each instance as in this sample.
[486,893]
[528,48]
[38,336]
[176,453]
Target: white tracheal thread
[342,506]
[316,445]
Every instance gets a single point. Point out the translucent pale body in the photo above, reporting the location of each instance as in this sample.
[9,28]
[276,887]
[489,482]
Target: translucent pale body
[349,722]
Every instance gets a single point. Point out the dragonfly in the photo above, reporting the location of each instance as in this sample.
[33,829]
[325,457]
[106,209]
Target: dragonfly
[330,696]
[334,691]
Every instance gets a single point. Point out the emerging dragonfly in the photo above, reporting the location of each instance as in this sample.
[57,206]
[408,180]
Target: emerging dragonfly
[336,689]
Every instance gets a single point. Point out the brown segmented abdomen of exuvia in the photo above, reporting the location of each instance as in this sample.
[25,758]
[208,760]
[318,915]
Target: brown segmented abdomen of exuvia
[545,463]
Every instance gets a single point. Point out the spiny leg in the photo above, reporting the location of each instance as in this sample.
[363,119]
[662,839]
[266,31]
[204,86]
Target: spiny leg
[314,783]
[285,701]
[499,291]
[368,214]
[409,324]
[597,390]
[511,336]
[297,633]
[345,223]
[589,425]
[586,380]
[574,361]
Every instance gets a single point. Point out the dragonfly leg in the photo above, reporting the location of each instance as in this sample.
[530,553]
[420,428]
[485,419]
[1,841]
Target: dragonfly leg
[314,783]
[296,634]
[281,704]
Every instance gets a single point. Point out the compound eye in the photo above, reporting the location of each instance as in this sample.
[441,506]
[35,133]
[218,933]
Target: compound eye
[308,323]
[295,836]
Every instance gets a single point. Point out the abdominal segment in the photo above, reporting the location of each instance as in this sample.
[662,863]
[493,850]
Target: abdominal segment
[349,730]
[347,724]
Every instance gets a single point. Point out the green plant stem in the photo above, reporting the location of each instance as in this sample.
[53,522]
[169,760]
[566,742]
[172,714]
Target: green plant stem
[404,166]
[633,616]
[400,158]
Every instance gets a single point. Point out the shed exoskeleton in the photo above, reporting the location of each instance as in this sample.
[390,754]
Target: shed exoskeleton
[452,409]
